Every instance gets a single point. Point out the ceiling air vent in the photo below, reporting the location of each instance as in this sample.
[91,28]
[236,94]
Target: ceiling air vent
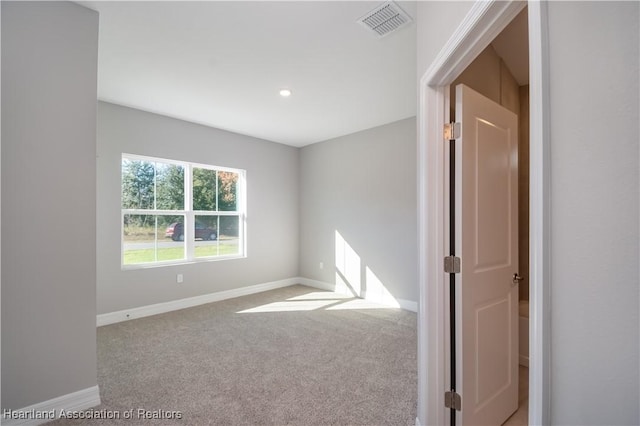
[385,19]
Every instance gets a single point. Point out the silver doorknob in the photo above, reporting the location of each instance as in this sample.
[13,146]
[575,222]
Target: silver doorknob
[517,278]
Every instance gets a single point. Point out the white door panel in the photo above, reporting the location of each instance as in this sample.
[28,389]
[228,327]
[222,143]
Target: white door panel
[487,224]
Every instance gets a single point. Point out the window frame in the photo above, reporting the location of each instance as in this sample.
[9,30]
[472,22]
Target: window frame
[189,214]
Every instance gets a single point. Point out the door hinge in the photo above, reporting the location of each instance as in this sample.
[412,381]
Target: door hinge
[452,400]
[451,131]
[452,265]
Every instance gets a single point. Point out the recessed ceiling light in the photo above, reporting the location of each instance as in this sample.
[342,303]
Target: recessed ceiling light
[285,93]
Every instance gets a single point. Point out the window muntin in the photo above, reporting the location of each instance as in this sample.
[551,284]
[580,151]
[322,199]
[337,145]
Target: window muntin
[176,212]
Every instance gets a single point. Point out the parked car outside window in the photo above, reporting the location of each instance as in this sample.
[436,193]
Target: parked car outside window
[175,231]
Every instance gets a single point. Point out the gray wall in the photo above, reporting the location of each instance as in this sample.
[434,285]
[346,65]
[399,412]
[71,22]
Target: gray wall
[594,212]
[594,207]
[363,186]
[436,21]
[49,74]
[272,207]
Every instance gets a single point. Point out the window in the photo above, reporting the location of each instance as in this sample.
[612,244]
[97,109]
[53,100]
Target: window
[176,212]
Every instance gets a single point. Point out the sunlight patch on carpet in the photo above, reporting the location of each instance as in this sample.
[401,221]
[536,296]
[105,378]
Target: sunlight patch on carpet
[289,306]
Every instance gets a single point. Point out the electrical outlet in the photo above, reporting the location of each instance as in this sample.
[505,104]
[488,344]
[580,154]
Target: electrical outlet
[179,278]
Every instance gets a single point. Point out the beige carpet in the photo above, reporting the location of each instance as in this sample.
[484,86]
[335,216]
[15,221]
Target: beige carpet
[293,356]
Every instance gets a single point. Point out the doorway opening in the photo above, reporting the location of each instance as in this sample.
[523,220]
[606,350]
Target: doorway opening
[500,73]
[484,22]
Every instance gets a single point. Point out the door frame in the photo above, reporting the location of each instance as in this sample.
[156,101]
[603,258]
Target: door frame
[481,25]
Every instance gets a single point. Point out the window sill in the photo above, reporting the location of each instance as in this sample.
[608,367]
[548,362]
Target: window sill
[137,266]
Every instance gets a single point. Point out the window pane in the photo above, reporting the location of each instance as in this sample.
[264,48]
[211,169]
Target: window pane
[137,184]
[204,189]
[229,235]
[217,236]
[206,234]
[169,187]
[227,191]
[147,238]
[206,228]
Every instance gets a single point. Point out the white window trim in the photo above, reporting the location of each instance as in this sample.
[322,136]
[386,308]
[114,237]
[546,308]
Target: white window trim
[189,214]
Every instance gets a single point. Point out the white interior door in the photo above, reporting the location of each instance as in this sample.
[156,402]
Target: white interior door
[487,237]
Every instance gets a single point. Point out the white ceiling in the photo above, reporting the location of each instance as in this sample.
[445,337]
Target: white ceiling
[222,64]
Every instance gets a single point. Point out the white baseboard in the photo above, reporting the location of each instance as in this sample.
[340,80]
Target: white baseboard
[321,285]
[174,305]
[407,305]
[51,409]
